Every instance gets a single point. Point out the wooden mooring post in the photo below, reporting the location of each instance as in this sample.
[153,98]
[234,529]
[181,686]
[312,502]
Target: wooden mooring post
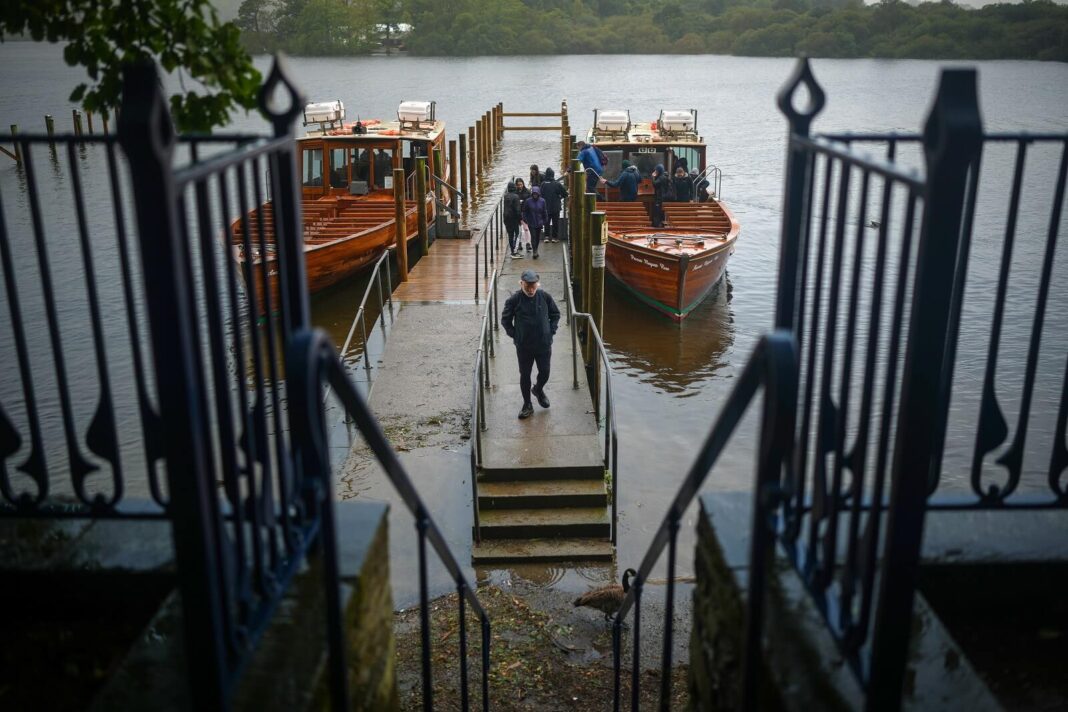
[599,243]
[104,120]
[400,228]
[89,120]
[420,204]
[575,222]
[15,152]
[454,200]
[472,159]
[77,118]
[589,205]
[50,125]
[463,166]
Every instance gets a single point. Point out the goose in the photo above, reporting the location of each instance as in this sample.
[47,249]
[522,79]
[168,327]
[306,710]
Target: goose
[607,599]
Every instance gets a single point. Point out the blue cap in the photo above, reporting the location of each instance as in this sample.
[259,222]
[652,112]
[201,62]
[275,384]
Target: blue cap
[530,276]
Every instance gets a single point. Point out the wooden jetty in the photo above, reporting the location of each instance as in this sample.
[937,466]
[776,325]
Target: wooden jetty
[542,494]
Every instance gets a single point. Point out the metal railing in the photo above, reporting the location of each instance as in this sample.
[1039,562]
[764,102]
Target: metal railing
[490,323]
[360,319]
[488,243]
[773,367]
[313,363]
[715,182]
[611,439]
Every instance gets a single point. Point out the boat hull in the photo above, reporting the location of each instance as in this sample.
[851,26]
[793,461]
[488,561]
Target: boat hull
[671,284]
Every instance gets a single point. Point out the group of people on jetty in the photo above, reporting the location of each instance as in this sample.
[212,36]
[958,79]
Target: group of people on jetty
[533,213]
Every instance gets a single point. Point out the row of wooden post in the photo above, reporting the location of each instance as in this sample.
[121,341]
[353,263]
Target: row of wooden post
[475,149]
[588,243]
[50,128]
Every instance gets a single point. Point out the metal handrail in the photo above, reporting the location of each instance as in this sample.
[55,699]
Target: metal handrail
[611,439]
[442,182]
[478,397]
[716,184]
[313,362]
[494,227]
[773,365]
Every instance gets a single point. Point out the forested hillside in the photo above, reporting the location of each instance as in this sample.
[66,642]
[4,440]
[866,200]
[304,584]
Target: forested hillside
[1035,29]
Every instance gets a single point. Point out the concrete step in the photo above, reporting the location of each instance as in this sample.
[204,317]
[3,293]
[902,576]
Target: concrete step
[545,523]
[504,551]
[542,494]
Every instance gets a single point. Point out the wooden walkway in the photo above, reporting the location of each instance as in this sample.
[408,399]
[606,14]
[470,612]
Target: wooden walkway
[542,493]
[445,274]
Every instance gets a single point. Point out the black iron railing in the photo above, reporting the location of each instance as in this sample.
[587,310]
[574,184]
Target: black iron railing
[481,381]
[872,277]
[488,244]
[773,367]
[313,363]
[217,428]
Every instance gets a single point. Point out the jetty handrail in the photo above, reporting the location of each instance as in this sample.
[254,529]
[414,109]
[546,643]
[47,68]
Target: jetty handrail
[773,366]
[360,318]
[478,398]
[444,183]
[611,439]
[488,249]
[312,363]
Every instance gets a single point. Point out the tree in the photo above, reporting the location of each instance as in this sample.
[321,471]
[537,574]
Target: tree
[182,35]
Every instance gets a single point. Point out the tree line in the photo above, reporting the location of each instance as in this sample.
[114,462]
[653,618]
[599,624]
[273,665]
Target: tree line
[1033,29]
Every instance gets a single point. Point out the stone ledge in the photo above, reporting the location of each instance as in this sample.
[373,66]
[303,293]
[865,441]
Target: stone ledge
[804,670]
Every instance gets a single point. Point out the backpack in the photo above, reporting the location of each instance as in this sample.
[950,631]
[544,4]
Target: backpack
[601,157]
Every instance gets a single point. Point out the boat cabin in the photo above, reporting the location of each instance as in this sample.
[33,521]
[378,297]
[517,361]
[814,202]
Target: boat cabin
[672,140]
[358,158]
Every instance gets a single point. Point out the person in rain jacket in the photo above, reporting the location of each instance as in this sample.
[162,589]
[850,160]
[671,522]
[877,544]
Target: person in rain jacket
[513,207]
[627,182]
[554,194]
[594,161]
[683,186]
[661,192]
[530,317]
[535,215]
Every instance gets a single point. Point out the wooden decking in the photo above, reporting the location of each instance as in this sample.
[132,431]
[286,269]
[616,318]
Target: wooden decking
[446,274]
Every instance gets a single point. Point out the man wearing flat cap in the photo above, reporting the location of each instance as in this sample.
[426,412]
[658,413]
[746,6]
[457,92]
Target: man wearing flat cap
[530,317]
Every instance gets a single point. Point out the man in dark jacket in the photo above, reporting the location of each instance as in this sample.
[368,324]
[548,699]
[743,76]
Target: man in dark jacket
[627,182]
[554,194]
[535,215]
[662,192]
[512,208]
[530,318]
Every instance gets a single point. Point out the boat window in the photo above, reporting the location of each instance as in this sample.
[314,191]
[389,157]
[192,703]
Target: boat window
[691,155]
[615,164]
[361,164]
[339,171]
[313,168]
[383,167]
[646,159]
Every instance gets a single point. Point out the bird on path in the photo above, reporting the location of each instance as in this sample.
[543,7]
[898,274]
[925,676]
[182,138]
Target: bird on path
[607,599]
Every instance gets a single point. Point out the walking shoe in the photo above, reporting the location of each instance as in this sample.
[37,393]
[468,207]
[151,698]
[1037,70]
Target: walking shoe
[535,254]
[529,248]
[518,255]
[528,410]
[540,395]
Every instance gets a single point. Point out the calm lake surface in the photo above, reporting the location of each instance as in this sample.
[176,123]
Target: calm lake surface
[669,381]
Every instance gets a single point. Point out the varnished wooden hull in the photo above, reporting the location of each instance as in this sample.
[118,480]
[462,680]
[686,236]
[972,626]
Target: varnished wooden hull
[329,261]
[672,284]
[671,279]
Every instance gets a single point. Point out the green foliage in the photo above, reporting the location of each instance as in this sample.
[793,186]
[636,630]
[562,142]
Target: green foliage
[1033,29]
[184,36]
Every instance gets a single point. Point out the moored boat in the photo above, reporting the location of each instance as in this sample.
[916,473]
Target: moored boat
[346,173]
[673,267]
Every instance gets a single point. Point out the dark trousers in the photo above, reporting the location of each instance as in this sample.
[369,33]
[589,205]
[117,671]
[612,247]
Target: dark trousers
[658,214]
[552,226]
[512,226]
[535,238]
[592,181]
[526,363]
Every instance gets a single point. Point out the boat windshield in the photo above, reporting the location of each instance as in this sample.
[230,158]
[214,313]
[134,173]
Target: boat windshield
[646,159]
[313,168]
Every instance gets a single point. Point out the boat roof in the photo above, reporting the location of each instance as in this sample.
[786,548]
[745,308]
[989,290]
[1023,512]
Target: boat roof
[378,130]
[643,133]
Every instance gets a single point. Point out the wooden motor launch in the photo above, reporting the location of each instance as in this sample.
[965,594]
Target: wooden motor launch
[347,190]
[671,268]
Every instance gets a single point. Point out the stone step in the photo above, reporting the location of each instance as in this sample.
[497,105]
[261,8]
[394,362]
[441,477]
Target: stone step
[542,494]
[545,523]
[503,551]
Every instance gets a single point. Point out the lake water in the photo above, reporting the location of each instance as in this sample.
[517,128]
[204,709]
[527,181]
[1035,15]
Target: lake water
[670,380]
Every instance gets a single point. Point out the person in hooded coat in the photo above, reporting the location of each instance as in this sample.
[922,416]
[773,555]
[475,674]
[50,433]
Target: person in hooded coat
[554,193]
[535,215]
[627,182]
[661,192]
[512,214]
[523,192]
[683,186]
